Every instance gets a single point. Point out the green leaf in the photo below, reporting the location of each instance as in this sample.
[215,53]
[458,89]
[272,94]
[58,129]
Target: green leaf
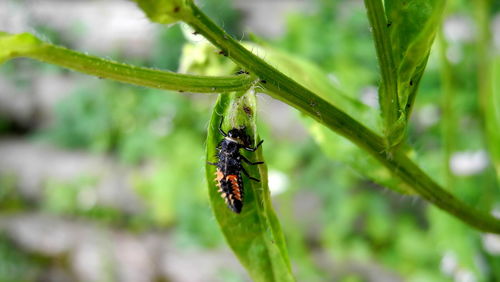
[165,11]
[412,27]
[255,234]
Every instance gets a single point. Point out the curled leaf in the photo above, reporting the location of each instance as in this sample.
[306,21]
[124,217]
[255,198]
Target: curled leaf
[412,27]
[255,234]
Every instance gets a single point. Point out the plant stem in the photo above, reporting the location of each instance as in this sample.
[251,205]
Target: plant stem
[388,95]
[488,103]
[448,117]
[283,88]
[137,75]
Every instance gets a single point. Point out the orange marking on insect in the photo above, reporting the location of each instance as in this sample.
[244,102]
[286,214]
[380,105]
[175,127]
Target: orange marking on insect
[235,185]
[219,175]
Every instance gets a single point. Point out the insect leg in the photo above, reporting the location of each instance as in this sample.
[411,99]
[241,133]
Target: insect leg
[246,173]
[249,162]
[220,127]
[254,148]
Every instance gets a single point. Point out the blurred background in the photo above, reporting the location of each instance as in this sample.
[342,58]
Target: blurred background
[101,181]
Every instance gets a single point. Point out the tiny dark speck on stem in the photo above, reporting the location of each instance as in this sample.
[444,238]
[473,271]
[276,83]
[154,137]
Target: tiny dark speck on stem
[263,81]
[247,110]
[177,9]
[389,24]
[181,91]
[411,82]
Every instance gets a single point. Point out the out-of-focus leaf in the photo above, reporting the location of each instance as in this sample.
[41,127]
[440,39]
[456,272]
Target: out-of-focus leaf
[165,11]
[255,234]
[412,28]
[338,148]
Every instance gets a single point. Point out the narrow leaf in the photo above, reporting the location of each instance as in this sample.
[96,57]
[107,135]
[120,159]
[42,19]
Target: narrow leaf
[412,26]
[255,234]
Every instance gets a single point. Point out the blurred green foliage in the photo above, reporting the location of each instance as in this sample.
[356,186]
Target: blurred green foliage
[336,222]
[16,265]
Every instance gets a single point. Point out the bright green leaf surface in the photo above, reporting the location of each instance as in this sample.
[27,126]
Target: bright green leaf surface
[254,235]
[412,27]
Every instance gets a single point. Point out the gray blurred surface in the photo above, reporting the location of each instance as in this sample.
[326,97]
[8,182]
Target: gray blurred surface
[95,253]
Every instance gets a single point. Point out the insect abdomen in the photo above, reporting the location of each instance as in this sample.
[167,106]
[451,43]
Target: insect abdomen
[231,189]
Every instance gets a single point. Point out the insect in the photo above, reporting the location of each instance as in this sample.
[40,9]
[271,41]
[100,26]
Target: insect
[229,166]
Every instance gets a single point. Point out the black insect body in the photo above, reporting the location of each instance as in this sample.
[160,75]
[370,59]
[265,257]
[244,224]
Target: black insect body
[229,167]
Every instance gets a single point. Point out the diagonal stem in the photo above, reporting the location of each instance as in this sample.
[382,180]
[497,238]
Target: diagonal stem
[283,88]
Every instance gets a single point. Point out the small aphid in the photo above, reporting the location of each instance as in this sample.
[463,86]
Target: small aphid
[229,167]
[242,72]
[247,110]
[223,53]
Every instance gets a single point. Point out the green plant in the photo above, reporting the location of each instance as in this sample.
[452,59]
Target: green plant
[403,34]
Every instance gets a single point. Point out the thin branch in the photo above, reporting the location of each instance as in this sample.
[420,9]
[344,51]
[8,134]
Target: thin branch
[27,45]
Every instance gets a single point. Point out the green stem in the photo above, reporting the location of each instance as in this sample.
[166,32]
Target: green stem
[388,95]
[484,54]
[282,87]
[130,74]
[488,103]
[448,117]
